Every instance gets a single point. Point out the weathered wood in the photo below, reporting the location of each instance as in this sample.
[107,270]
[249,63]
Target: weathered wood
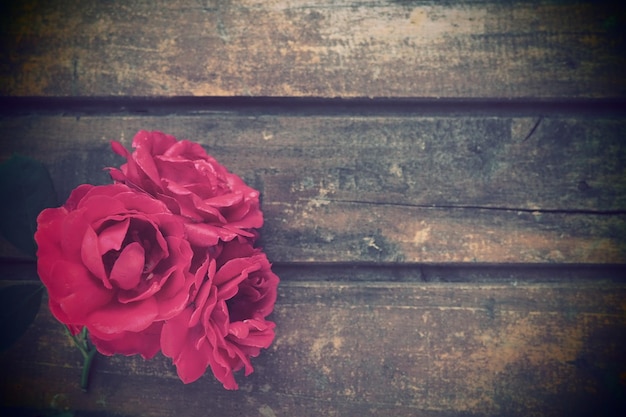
[324,48]
[384,227]
[434,349]
[336,232]
[396,189]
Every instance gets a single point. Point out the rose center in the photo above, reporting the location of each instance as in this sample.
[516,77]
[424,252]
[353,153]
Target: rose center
[136,258]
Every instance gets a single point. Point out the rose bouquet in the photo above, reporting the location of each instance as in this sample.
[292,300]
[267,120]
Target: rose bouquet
[161,260]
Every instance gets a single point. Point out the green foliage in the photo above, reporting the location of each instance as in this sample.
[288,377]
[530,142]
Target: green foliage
[19,305]
[25,190]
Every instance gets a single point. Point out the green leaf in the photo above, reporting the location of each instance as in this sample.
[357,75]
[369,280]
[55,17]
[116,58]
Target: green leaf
[25,190]
[19,305]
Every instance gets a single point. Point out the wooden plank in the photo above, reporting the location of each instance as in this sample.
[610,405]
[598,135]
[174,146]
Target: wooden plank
[326,48]
[568,163]
[395,189]
[374,349]
[337,232]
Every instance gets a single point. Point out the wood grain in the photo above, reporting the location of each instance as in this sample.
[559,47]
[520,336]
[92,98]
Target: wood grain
[444,261]
[388,189]
[434,349]
[311,48]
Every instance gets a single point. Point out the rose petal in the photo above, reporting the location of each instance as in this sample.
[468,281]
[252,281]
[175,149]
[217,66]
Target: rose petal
[145,161]
[99,208]
[170,307]
[231,274]
[47,236]
[186,149]
[192,362]
[204,302]
[223,371]
[91,257]
[142,291]
[176,170]
[239,329]
[76,292]
[119,149]
[116,318]
[253,333]
[112,237]
[72,234]
[142,203]
[57,311]
[237,249]
[217,319]
[174,334]
[127,270]
[154,142]
[76,196]
[145,343]
[201,234]
[234,269]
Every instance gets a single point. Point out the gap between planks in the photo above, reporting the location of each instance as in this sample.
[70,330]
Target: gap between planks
[298,106]
[345,273]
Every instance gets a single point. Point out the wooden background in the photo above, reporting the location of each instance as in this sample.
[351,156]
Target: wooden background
[444,188]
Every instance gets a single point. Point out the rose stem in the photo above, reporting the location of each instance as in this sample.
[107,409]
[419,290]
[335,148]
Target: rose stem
[82,344]
[84,378]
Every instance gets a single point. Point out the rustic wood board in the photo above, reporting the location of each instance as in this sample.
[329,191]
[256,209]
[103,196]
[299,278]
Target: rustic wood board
[388,189]
[430,258]
[323,48]
[374,349]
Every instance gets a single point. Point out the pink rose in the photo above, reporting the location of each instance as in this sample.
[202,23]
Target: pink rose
[226,323]
[116,261]
[217,203]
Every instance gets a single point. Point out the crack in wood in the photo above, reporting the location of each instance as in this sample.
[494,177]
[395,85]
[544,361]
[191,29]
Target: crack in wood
[533,129]
[478,207]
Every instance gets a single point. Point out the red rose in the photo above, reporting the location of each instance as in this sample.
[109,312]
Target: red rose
[217,203]
[225,325]
[117,262]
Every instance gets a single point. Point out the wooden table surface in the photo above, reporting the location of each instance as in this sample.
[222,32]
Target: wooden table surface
[443,183]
